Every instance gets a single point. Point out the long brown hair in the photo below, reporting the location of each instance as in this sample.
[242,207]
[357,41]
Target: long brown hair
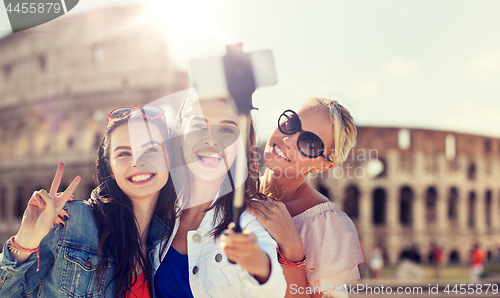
[119,237]
[224,205]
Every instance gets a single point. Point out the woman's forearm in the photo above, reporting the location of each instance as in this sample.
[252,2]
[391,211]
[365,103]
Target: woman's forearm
[296,282]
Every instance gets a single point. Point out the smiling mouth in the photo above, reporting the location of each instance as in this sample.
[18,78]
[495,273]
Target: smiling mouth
[141,178]
[210,158]
[280,152]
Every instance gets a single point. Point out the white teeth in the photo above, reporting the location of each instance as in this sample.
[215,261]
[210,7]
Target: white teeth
[140,178]
[209,154]
[280,153]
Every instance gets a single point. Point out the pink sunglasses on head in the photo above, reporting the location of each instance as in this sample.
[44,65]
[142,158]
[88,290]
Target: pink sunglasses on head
[149,112]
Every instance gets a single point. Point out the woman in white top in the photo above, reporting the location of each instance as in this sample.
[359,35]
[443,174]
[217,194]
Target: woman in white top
[194,259]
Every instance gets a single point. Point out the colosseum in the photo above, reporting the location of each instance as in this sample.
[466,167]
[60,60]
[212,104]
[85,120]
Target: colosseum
[58,81]
[404,187]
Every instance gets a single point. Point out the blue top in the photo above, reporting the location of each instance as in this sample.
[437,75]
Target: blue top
[172,277]
[68,260]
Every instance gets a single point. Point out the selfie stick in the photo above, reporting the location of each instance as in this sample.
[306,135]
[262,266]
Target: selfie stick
[241,85]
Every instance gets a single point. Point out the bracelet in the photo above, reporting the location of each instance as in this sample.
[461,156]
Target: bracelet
[288,263]
[17,249]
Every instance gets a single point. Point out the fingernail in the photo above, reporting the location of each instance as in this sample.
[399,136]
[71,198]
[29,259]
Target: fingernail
[54,225]
[37,195]
[61,225]
[65,217]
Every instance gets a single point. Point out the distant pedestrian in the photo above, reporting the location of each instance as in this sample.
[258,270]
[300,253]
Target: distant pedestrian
[376,261]
[478,256]
[437,258]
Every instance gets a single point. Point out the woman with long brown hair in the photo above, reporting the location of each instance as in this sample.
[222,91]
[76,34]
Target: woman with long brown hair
[103,249]
[195,261]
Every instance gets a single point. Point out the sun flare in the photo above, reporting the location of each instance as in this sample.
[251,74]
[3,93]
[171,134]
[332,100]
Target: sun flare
[188,25]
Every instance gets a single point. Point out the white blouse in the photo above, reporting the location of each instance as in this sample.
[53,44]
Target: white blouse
[211,274]
[331,245]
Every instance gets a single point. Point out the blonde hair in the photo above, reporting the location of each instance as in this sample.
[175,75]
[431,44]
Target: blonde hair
[344,128]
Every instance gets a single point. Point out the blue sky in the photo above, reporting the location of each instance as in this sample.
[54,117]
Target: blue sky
[425,64]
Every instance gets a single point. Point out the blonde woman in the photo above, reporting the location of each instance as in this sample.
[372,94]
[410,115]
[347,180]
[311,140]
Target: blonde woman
[318,244]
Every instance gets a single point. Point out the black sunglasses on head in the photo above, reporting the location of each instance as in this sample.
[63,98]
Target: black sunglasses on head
[309,144]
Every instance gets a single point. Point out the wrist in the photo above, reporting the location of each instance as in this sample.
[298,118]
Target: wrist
[264,269]
[27,240]
[21,254]
[298,265]
[292,251]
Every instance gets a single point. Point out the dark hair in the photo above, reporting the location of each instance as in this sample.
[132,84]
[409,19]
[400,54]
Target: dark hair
[224,205]
[119,238]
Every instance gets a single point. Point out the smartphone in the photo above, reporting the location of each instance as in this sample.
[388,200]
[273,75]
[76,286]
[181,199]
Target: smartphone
[208,75]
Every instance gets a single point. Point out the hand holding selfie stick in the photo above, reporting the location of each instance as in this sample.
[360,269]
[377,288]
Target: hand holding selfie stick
[239,74]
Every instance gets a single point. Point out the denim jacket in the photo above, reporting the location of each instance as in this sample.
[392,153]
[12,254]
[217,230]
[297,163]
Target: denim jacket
[68,261]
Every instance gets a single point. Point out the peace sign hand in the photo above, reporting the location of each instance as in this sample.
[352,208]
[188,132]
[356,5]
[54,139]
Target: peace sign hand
[42,211]
[62,216]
